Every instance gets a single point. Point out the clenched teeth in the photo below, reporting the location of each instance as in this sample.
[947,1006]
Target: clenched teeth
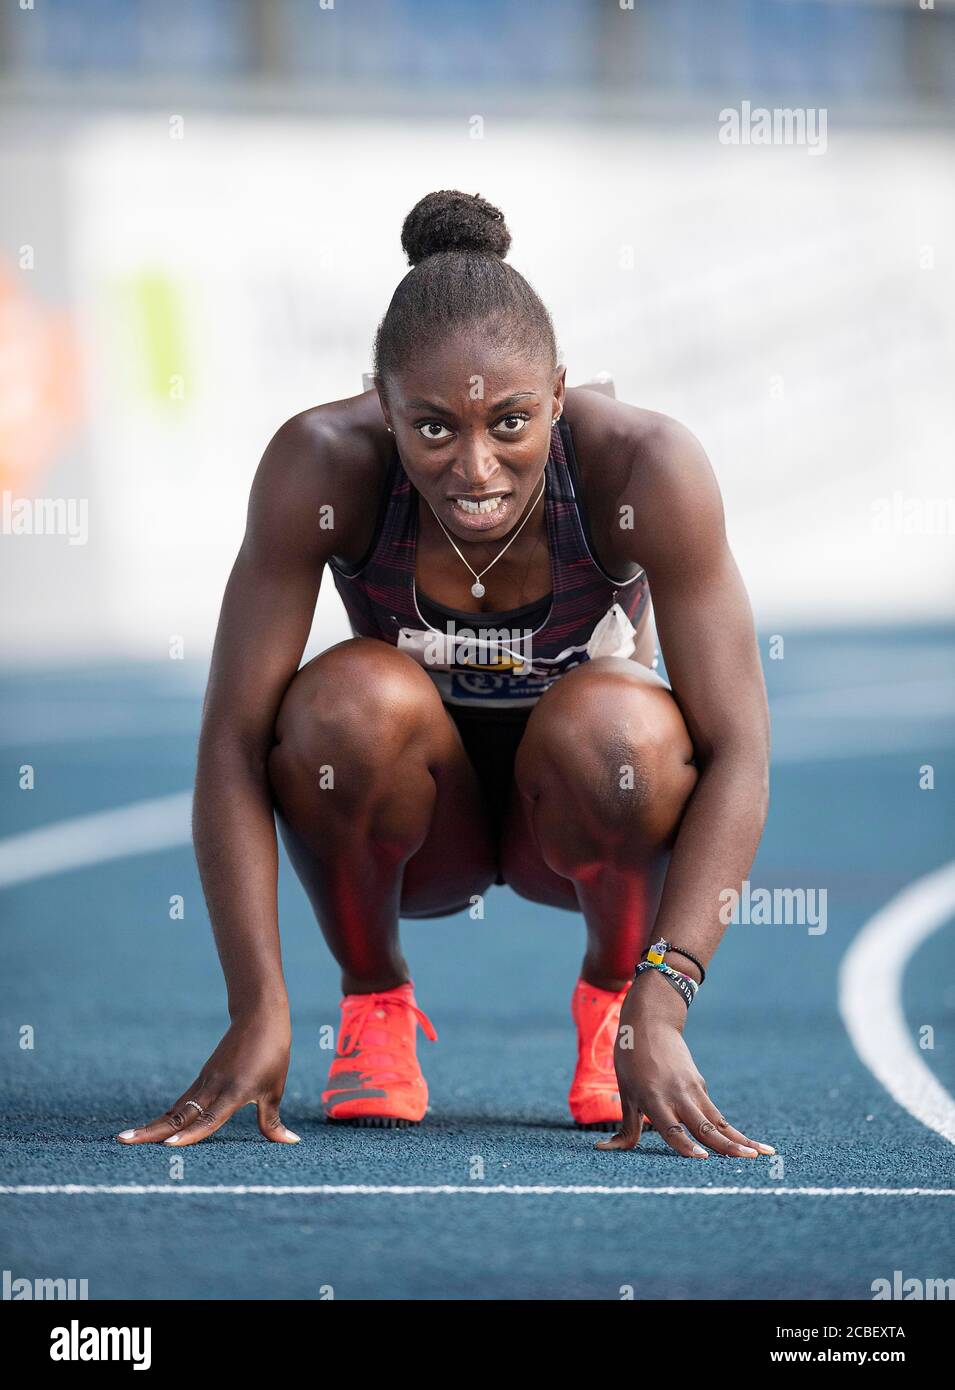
[489,504]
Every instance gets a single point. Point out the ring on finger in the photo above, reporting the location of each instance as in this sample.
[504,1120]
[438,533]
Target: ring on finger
[196,1106]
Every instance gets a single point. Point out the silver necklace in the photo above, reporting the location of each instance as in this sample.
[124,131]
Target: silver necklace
[477,588]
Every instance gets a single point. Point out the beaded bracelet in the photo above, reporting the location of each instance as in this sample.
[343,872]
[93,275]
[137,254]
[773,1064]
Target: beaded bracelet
[658,950]
[684,986]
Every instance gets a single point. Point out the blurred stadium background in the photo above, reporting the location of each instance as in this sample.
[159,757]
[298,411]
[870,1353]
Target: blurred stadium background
[201,230]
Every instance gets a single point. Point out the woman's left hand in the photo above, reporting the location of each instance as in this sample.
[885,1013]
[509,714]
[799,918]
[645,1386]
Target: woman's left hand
[658,1078]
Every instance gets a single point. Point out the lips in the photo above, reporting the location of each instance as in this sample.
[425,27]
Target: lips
[478,513]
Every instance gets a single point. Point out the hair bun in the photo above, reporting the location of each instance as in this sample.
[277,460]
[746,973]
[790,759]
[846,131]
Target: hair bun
[453,221]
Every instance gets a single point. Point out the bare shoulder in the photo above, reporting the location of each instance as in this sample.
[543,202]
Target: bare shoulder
[342,440]
[628,456]
[332,455]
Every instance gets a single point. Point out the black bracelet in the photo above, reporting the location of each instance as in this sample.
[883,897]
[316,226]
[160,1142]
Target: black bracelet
[689,955]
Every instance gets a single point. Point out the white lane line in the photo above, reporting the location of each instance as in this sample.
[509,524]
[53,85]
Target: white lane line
[140,828]
[870,980]
[447,1190]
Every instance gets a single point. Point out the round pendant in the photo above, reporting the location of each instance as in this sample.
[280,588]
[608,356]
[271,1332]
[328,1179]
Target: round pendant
[477,589]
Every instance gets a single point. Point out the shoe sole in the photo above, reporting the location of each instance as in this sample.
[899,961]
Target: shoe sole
[392,1122]
[373,1122]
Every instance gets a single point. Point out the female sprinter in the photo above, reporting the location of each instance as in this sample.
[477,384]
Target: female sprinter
[494,536]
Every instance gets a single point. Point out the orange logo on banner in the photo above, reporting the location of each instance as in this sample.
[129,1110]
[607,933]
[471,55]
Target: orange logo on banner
[39,383]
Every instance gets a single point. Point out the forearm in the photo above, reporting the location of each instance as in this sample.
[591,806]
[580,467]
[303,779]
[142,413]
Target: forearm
[237,853]
[714,850]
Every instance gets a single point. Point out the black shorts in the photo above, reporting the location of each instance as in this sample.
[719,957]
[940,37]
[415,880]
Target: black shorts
[490,739]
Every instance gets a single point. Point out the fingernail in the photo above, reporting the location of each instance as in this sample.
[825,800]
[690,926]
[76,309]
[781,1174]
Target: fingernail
[290,1134]
[766,1148]
[126,1134]
[699,1152]
[174,1139]
[750,1153]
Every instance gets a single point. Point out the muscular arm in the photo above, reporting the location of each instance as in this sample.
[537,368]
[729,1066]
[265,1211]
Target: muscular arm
[263,627]
[313,461]
[706,634]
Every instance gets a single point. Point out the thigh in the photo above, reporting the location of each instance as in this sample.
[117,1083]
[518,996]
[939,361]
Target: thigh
[597,690]
[365,699]
[458,858]
[489,740]
[521,865]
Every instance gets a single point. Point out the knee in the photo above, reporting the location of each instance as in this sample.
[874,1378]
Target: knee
[352,709]
[616,750]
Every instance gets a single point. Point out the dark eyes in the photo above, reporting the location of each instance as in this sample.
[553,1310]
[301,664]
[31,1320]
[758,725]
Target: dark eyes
[519,420]
[508,424]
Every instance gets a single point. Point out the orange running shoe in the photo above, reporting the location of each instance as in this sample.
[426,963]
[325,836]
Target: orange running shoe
[594,1097]
[375,1078]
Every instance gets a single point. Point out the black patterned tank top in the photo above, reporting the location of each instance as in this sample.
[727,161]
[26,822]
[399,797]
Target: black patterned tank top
[505,659]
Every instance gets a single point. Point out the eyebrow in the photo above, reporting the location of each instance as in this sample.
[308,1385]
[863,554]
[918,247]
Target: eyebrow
[418,404]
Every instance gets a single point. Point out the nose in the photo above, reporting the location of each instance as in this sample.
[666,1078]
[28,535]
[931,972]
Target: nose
[475,467]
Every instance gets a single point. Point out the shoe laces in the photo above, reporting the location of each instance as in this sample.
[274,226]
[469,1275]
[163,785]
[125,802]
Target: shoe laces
[375,1005]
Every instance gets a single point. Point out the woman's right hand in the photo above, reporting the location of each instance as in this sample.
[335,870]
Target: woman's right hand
[248,1067]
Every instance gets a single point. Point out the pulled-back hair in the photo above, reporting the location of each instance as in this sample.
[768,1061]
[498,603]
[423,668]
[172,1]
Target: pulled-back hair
[456,244]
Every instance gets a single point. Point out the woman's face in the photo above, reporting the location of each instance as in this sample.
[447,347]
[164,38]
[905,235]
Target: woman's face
[473,427]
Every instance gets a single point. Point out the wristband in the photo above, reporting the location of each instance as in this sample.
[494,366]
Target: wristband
[684,986]
[655,954]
